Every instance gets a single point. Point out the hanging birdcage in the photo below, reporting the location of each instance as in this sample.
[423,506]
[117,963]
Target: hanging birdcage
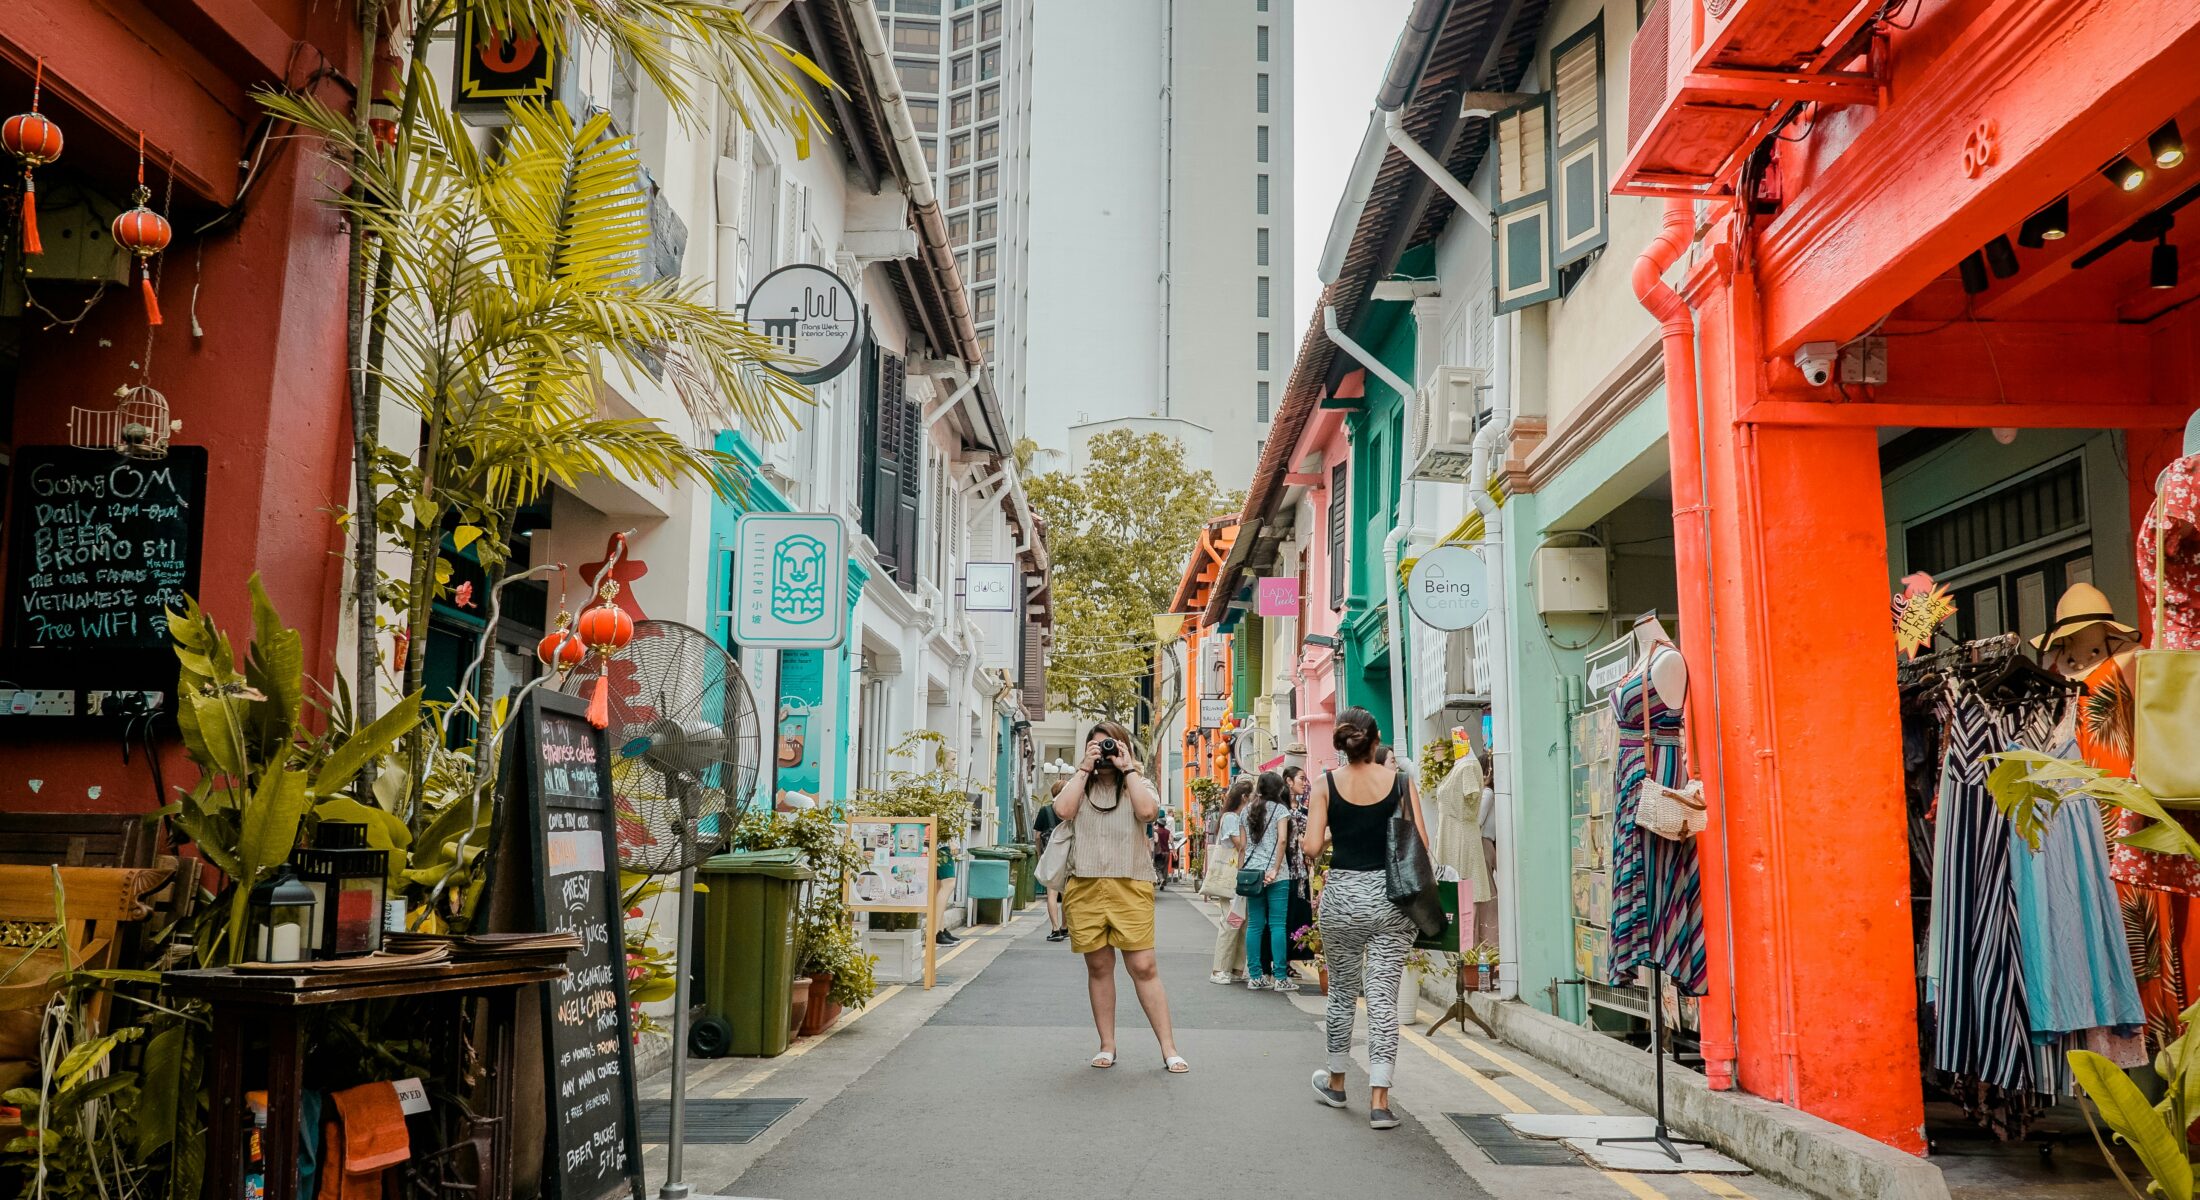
[138,426]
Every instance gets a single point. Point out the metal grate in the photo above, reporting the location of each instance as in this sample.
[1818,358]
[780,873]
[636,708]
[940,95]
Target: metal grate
[713,1122]
[1507,1148]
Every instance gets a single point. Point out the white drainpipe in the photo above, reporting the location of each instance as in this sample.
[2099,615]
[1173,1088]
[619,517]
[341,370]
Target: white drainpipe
[1487,443]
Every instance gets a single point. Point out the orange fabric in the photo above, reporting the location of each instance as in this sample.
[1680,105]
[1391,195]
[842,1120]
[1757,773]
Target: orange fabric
[367,1136]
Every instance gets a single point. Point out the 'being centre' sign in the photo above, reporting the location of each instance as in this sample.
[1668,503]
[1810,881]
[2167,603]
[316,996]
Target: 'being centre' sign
[1449,587]
[811,314]
[790,580]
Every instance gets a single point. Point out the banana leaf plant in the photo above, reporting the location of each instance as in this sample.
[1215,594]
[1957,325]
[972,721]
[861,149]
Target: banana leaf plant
[262,771]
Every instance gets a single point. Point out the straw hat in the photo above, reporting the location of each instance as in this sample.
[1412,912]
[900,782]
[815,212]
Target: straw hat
[2082,606]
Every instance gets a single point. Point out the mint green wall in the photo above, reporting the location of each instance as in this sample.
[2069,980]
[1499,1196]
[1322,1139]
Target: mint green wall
[1377,433]
[1544,674]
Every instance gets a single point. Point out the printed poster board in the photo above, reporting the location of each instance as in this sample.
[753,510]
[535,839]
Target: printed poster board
[900,873]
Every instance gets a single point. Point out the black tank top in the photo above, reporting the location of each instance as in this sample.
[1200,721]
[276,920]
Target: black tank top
[1359,833]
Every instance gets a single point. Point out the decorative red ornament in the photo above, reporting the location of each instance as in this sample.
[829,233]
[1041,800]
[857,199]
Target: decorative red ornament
[561,648]
[606,629]
[144,233]
[37,141]
[384,108]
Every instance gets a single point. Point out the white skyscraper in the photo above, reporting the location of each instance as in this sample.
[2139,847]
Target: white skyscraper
[1119,178]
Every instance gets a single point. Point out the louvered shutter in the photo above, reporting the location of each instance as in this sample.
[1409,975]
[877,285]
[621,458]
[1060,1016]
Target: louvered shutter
[867,440]
[912,483]
[882,516]
[1577,140]
[1340,510]
[794,218]
[1034,672]
[1524,272]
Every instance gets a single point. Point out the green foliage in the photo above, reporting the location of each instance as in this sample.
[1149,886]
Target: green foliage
[1436,763]
[1119,533]
[262,773]
[1207,791]
[931,787]
[824,929]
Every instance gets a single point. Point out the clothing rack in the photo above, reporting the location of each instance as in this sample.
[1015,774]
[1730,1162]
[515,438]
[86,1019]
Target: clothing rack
[1972,653]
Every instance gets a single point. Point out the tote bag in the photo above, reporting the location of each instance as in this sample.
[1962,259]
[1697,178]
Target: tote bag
[2165,756]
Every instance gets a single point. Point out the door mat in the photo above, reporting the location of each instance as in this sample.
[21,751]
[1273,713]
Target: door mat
[713,1122]
[1506,1148]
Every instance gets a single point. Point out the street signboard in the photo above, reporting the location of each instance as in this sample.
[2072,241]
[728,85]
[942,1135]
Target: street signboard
[790,581]
[989,587]
[1449,587]
[811,314]
[1212,711]
[1278,596]
[496,67]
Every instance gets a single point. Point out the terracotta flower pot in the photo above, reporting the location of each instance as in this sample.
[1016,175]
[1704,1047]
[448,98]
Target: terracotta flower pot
[823,1012]
[1325,979]
[798,1004]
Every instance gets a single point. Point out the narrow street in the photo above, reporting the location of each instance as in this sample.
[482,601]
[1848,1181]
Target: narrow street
[980,1089]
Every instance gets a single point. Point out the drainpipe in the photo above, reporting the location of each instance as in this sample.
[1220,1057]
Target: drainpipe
[1343,341]
[1692,563]
[1487,443]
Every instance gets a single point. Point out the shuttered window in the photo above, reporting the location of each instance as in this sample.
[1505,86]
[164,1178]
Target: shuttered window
[1340,512]
[1260,93]
[1260,297]
[1260,246]
[1524,274]
[1260,402]
[1260,194]
[892,484]
[1260,351]
[1577,141]
[1260,43]
[1260,143]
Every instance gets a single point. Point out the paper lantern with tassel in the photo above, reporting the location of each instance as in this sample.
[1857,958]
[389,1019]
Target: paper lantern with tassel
[605,629]
[37,141]
[144,233]
[561,648]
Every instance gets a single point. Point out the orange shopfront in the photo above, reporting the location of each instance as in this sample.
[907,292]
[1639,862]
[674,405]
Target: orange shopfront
[1925,193]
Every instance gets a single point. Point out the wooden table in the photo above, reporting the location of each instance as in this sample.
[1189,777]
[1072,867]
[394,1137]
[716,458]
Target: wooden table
[245,1001]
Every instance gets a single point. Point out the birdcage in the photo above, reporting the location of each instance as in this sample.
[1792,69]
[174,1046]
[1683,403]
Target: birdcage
[138,426]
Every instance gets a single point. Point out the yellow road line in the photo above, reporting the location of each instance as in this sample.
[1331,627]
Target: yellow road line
[1508,1063]
[1511,1102]
[1634,1185]
[1719,1187]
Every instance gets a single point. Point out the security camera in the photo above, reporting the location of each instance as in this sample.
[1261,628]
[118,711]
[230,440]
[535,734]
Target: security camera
[1815,361]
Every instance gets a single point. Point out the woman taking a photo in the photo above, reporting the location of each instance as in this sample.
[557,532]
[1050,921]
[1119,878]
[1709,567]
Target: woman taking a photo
[1365,938]
[1225,850]
[1107,805]
[1267,822]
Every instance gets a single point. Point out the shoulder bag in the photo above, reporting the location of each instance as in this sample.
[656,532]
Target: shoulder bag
[1217,883]
[1251,881]
[1673,813]
[1053,868]
[2165,756]
[1409,876]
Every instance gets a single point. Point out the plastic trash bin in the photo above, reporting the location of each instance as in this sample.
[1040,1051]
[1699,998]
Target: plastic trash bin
[1027,874]
[747,938]
[992,882]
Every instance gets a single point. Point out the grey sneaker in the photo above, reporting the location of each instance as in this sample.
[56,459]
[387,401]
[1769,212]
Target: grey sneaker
[1381,1118]
[1286,984]
[1325,1094]
[1256,984]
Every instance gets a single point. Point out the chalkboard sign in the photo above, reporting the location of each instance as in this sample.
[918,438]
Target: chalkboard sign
[99,545]
[558,816]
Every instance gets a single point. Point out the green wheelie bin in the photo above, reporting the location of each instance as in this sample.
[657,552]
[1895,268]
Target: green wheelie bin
[747,936]
[1027,874]
[992,882]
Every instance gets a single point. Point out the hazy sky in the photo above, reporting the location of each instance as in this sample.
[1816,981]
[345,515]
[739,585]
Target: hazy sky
[1342,48]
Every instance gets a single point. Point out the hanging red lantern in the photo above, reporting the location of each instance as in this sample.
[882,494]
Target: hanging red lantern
[144,233]
[606,629]
[37,141]
[561,649]
[384,108]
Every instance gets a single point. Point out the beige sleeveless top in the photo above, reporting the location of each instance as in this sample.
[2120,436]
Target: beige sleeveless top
[1110,844]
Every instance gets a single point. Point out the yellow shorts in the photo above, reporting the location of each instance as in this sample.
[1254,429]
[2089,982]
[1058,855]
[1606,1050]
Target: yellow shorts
[1108,912]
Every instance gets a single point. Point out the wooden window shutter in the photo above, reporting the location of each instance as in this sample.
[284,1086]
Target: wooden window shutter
[882,517]
[867,439]
[1524,272]
[1340,512]
[794,217]
[1034,674]
[912,485]
[1577,146]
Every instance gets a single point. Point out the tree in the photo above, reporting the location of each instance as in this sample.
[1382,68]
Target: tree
[1119,533]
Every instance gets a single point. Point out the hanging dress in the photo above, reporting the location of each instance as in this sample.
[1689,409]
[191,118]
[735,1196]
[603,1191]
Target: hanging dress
[1657,885]
[2077,964]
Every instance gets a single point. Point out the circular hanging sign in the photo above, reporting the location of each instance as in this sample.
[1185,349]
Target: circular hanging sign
[811,314]
[1449,587]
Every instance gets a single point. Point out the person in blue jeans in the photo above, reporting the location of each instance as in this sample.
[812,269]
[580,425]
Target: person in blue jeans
[1267,821]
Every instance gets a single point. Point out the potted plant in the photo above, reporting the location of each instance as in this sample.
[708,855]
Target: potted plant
[839,973]
[831,971]
[937,791]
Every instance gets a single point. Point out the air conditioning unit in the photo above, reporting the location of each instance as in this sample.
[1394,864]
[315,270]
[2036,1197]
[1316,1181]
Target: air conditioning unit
[1443,424]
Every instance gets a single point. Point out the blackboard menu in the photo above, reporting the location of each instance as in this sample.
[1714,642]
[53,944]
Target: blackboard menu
[561,793]
[99,545]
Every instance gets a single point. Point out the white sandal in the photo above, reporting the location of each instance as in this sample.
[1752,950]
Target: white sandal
[1104,1059]
[1175,1065]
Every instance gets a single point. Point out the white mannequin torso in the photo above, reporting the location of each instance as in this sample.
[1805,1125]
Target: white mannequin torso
[1668,670]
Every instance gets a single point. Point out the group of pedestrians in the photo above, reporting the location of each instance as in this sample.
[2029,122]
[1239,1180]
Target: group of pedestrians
[1274,826]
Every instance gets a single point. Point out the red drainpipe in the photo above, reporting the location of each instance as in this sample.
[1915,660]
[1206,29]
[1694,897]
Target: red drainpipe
[1691,560]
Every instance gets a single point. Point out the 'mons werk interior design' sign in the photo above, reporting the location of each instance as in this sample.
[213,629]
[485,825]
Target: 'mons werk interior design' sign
[810,314]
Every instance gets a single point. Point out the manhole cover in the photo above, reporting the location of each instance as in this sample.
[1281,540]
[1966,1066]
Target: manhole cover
[1506,1148]
[712,1122]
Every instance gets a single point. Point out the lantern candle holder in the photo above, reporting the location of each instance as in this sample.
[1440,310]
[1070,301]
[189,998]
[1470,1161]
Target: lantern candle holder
[350,883]
[282,918]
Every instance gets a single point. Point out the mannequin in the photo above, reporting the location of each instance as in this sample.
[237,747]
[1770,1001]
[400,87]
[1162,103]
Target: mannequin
[1668,670]
[2085,634]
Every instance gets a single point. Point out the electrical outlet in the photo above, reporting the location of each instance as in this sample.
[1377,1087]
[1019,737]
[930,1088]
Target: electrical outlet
[122,704]
[34,702]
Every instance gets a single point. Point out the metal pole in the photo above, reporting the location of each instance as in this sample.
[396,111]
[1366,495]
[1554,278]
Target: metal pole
[674,1188]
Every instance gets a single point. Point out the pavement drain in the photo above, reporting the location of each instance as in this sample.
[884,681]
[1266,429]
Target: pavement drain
[713,1122]
[1506,1148]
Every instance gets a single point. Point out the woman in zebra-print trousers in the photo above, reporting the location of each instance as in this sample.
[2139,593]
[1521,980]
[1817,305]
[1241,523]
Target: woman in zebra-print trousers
[1365,938]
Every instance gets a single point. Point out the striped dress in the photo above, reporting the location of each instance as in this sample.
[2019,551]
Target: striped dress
[1657,885]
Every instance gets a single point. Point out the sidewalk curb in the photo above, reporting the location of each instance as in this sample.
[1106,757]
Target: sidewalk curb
[1778,1142]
